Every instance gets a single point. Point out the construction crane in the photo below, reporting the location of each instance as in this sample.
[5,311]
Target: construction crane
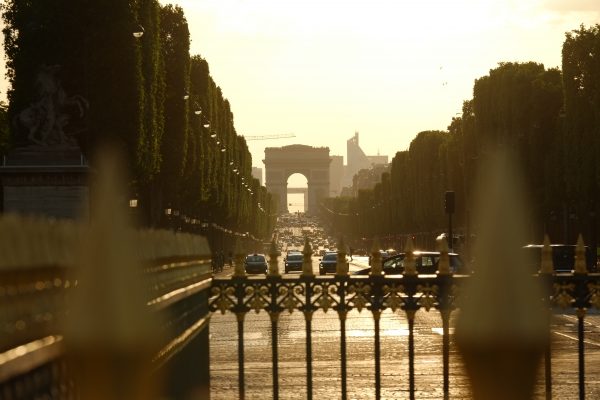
[267,137]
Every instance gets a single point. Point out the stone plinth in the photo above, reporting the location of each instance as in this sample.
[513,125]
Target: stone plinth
[51,182]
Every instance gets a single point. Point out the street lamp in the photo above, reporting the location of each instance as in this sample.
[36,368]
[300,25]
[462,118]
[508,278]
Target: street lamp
[139,32]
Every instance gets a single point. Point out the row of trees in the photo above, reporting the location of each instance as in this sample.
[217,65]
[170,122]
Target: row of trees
[551,119]
[148,97]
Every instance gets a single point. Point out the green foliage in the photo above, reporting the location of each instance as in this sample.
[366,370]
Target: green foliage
[144,94]
[581,78]
[154,87]
[175,44]
[517,105]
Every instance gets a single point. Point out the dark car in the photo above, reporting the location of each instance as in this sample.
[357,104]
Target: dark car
[563,257]
[256,264]
[426,262]
[293,262]
[328,263]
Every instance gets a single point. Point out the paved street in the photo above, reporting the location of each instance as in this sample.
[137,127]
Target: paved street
[394,345]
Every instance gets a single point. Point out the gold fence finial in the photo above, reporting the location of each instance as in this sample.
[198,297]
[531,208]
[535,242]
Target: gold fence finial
[410,268]
[580,264]
[307,252]
[376,265]
[273,262]
[341,268]
[546,266]
[444,263]
[240,270]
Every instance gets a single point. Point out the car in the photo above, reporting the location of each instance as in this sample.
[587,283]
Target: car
[426,262]
[293,261]
[563,257]
[256,264]
[328,263]
[391,252]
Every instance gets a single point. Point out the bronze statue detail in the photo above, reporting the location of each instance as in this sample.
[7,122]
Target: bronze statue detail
[46,120]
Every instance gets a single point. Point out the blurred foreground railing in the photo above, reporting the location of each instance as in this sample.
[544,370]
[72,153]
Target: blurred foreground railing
[38,285]
[43,312]
[408,294]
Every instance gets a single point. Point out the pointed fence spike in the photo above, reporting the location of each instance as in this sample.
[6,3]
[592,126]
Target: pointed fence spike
[341,268]
[307,252]
[240,270]
[273,262]
[410,268]
[376,262]
[444,263]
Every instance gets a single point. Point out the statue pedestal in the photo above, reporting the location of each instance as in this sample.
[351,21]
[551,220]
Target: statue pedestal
[51,182]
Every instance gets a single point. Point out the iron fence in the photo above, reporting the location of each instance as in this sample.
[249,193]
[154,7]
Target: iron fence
[407,293]
[181,289]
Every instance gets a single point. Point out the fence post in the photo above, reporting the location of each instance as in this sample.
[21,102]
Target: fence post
[273,263]
[410,269]
[341,268]
[239,270]
[444,263]
[307,269]
[376,265]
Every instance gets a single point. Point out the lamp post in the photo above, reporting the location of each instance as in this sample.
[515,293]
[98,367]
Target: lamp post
[593,233]
[449,207]
[176,220]
[139,32]
[133,203]
[168,213]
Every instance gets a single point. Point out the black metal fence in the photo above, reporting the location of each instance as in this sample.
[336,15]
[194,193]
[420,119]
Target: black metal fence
[32,354]
[408,293]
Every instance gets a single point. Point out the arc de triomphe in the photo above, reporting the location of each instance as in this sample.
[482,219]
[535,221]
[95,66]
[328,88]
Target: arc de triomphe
[312,162]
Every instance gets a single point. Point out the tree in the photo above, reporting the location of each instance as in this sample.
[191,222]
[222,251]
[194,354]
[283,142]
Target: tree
[175,44]
[581,80]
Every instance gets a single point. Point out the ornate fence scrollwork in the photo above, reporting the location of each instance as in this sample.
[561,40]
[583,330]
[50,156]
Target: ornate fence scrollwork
[405,294]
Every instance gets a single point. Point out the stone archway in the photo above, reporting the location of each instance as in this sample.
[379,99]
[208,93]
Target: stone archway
[312,162]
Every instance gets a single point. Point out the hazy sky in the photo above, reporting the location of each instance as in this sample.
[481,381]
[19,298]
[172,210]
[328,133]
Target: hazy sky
[322,69]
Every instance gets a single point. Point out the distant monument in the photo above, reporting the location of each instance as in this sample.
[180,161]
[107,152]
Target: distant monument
[312,162]
[46,173]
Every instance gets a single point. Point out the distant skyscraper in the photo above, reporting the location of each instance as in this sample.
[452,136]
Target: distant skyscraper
[341,176]
[336,174]
[356,160]
[257,173]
